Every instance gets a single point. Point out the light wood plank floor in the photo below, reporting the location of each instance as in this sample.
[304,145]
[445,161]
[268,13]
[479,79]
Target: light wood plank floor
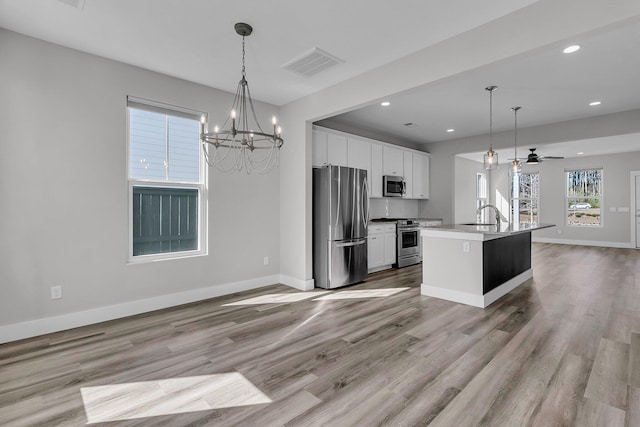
[563,349]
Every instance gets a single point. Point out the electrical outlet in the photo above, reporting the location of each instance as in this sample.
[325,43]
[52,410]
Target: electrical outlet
[266,260]
[56,292]
[465,247]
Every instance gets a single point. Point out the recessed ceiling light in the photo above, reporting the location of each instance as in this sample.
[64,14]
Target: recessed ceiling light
[450,130]
[580,153]
[594,103]
[385,103]
[571,49]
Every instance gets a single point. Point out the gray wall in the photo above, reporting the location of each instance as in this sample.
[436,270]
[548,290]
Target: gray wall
[616,226]
[63,187]
[465,189]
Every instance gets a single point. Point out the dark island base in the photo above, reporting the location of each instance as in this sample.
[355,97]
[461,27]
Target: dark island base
[505,258]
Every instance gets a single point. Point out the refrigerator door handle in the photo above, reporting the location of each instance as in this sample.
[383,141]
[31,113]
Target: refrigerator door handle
[365,196]
[356,243]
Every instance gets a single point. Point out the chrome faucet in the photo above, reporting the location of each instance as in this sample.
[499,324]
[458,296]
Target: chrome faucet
[497,214]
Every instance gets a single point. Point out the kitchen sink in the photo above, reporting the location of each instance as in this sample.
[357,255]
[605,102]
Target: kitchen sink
[475,223]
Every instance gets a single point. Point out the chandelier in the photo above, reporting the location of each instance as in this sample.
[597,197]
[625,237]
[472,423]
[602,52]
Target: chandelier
[491,157]
[244,145]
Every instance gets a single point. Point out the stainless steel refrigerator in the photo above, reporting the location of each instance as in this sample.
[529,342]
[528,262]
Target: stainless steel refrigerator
[340,219]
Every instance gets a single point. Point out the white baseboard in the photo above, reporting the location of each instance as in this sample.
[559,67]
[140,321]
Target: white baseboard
[623,245]
[32,328]
[476,300]
[302,285]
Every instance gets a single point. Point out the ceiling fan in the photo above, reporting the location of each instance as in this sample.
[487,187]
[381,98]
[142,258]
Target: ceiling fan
[534,159]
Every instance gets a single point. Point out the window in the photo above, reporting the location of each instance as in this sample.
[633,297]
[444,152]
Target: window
[584,197]
[481,196]
[525,197]
[166,181]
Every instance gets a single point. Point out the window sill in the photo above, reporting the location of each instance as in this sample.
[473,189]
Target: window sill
[171,256]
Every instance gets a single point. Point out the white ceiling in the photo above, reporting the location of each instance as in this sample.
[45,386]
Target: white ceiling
[195,40]
[549,85]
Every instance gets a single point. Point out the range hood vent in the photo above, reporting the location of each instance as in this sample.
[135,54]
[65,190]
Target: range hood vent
[312,62]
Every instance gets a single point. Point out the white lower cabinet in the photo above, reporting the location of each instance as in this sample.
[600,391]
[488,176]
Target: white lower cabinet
[381,246]
[390,244]
[375,251]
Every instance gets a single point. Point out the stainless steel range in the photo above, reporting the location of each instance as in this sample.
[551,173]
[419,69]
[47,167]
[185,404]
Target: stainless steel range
[408,238]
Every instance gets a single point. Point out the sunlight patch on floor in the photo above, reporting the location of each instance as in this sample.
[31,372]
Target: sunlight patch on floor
[169,396]
[277,298]
[364,293]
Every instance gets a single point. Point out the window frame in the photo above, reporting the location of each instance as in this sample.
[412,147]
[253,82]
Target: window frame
[481,217]
[516,198]
[567,198]
[201,186]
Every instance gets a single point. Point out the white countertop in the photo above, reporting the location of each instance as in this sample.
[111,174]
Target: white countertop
[480,232]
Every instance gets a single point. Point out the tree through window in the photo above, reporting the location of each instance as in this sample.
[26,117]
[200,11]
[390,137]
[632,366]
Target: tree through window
[584,197]
[525,197]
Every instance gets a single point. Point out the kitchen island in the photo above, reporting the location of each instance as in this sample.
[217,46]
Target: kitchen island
[476,264]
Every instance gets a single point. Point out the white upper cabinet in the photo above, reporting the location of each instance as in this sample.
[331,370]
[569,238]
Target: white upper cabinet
[336,149]
[377,158]
[358,154]
[319,149]
[359,157]
[375,182]
[420,176]
[407,164]
[328,149]
[392,161]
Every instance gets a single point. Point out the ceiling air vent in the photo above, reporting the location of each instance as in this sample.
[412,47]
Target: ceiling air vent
[410,125]
[78,4]
[312,62]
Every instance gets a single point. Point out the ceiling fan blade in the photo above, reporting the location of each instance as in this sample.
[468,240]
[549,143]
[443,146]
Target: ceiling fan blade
[551,157]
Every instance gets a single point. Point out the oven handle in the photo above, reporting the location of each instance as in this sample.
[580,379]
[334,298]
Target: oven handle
[408,229]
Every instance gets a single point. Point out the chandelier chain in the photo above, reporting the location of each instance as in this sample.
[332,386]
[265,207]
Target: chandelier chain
[244,74]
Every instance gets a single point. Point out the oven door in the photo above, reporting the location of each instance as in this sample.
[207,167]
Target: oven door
[408,241]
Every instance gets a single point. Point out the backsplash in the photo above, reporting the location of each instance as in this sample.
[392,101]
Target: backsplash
[393,208]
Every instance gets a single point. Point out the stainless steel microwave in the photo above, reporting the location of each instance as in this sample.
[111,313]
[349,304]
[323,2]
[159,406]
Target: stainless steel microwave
[393,186]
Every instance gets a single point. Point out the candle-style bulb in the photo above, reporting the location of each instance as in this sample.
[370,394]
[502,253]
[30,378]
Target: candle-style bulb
[216,129]
[203,119]
[274,121]
[233,114]
[279,130]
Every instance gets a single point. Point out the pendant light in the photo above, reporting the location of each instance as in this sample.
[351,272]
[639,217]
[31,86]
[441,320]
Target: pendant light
[244,145]
[516,166]
[491,157]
